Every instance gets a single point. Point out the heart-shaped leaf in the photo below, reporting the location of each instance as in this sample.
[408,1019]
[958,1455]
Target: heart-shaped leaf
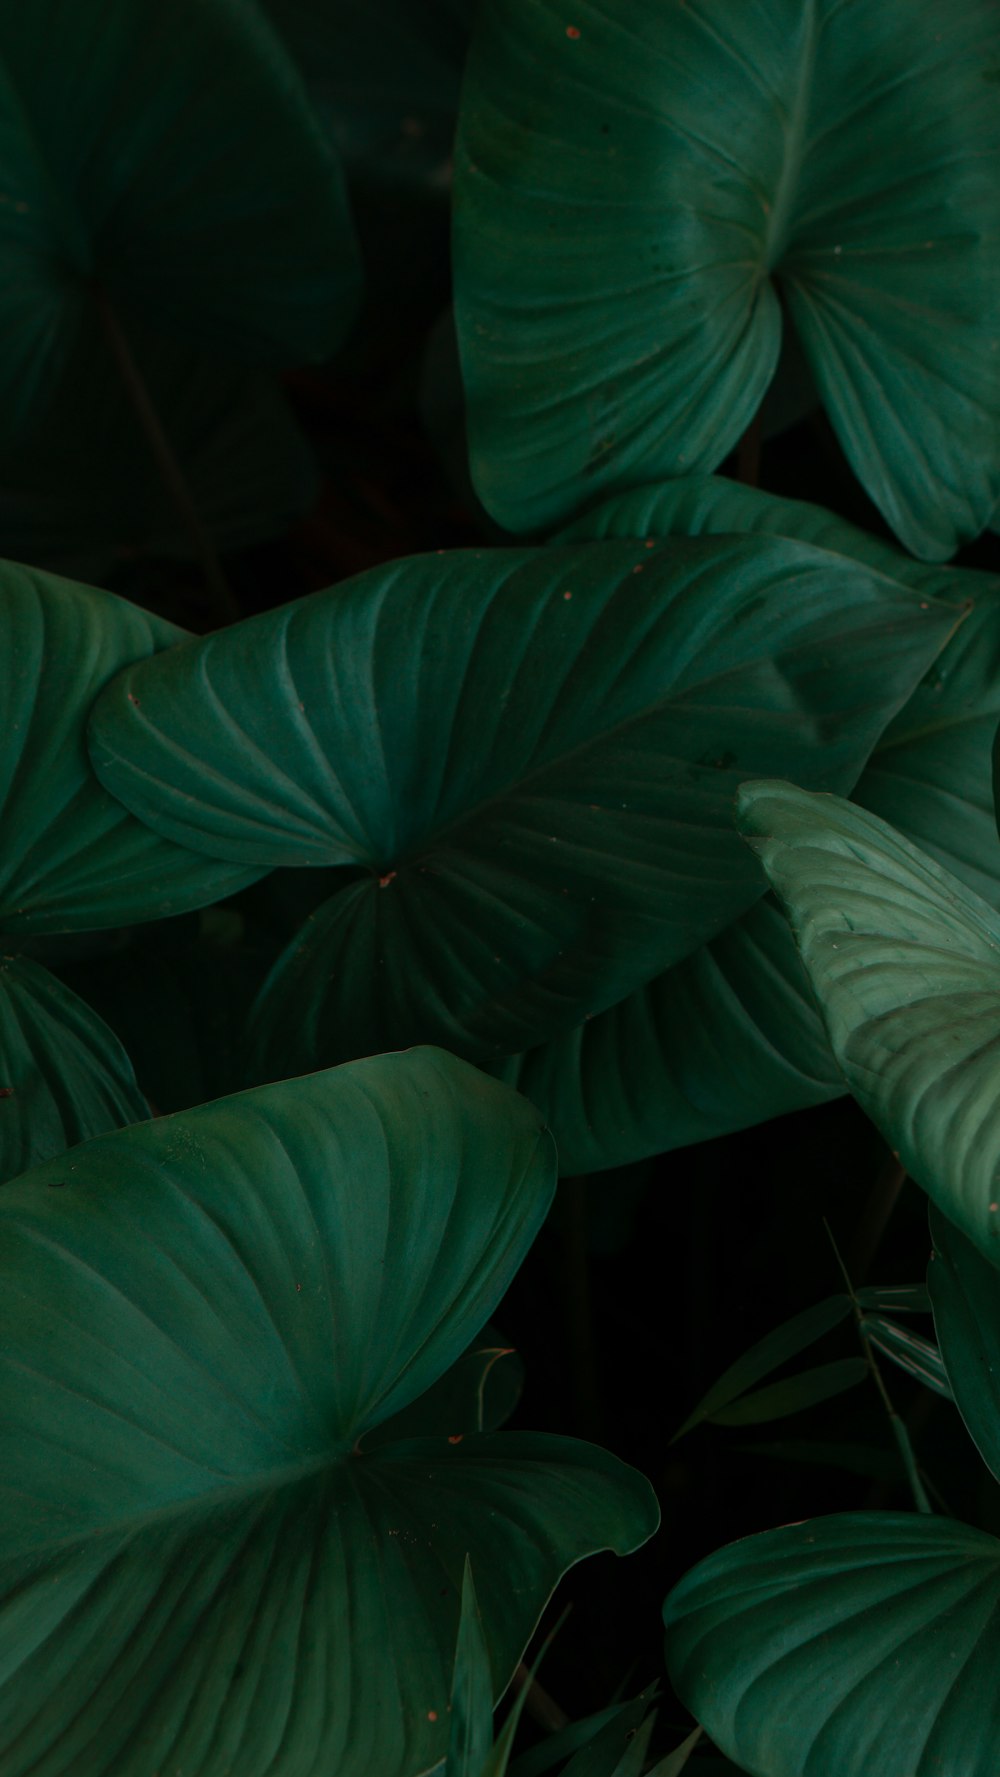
[864,1645]
[727,1038]
[64,1076]
[643,192]
[905,963]
[199,1563]
[148,189]
[72,857]
[731,1036]
[531,755]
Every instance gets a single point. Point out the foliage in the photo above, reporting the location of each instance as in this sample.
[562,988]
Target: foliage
[470,910]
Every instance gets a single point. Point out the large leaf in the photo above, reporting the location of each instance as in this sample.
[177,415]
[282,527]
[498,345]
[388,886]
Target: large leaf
[905,962]
[64,1076]
[199,1565]
[727,1038]
[531,756]
[642,192]
[864,1645]
[72,857]
[731,1036]
[157,181]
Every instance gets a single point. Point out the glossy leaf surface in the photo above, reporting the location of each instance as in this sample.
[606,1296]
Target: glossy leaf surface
[905,962]
[528,756]
[864,1645]
[636,188]
[731,1036]
[157,181]
[196,1332]
[72,857]
[64,1076]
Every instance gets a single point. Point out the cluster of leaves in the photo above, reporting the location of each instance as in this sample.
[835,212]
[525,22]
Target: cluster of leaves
[341,914]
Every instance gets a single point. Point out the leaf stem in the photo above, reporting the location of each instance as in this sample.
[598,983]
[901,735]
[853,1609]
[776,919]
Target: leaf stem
[896,1424]
[222,602]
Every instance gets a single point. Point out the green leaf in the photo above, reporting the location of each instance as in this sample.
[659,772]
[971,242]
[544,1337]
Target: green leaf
[64,1076]
[919,1357]
[72,857]
[155,182]
[551,1751]
[863,1645]
[775,1349]
[930,771]
[731,1036]
[905,962]
[615,1749]
[514,875]
[470,1719]
[795,1394]
[894,1298]
[676,1761]
[963,1288]
[644,194]
[725,1039]
[84,495]
[199,1564]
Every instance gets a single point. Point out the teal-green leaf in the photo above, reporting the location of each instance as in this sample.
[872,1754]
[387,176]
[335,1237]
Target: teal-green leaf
[864,1645]
[528,759]
[795,1394]
[769,1353]
[905,963]
[198,1566]
[64,1076]
[966,1299]
[470,1721]
[918,1356]
[646,193]
[731,1035]
[186,178]
[727,1038]
[71,857]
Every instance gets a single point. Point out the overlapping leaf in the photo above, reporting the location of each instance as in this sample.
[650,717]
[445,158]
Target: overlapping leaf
[198,1564]
[644,192]
[64,1076]
[864,1645]
[71,857]
[731,1036]
[905,963]
[157,181]
[528,760]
